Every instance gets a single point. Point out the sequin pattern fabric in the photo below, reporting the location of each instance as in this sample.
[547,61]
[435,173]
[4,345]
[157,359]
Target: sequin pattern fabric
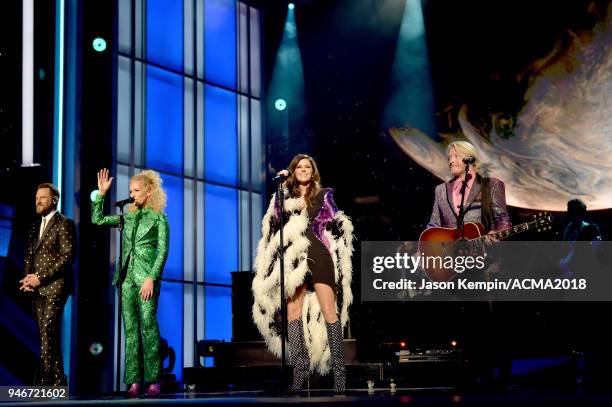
[146,238]
[51,258]
[325,215]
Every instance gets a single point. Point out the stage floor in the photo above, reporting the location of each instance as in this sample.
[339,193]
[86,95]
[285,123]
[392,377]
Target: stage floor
[402,396]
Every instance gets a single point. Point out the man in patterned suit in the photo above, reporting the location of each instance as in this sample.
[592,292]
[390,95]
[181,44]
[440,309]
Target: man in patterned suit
[48,275]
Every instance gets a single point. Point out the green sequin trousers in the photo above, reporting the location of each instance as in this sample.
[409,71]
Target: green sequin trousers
[142,340]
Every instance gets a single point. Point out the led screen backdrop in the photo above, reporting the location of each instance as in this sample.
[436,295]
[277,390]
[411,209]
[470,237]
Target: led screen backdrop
[189,106]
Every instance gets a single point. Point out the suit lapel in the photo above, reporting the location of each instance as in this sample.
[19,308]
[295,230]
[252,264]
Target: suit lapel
[473,194]
[47,228]
[146,222]
[33,238]
[129,223]
[449,200]
[449,194]
[469,200]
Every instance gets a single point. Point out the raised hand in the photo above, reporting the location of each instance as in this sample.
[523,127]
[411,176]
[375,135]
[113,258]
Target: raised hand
[104,182]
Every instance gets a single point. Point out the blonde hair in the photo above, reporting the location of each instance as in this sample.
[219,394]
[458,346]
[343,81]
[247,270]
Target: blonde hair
[466,149]
[152,182]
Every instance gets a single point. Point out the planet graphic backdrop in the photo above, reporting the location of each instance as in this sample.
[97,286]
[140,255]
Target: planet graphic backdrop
[559,146]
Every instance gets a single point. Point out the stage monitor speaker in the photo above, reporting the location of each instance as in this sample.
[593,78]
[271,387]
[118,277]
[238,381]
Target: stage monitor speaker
[243,328]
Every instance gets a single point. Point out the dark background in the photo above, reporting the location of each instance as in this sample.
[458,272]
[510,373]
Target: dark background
[481,54]
[476,50]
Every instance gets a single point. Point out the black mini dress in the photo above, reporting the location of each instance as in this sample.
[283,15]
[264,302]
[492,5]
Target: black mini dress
[320,261]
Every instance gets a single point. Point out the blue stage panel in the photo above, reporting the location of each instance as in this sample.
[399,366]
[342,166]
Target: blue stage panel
[221,136]
[174,210]
[170,318]
[221,228]
[7,213]
[165,33]
[220,42]
[164,140]
[218,313]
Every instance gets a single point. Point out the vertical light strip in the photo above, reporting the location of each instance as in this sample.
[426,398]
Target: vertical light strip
[27,85]
[58,123]
[58,159]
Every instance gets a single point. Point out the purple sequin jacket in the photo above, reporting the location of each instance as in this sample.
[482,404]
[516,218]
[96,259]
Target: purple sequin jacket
[323,217]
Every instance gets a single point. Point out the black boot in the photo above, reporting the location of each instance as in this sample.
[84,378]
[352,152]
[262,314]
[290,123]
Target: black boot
[336,346]
[298,353]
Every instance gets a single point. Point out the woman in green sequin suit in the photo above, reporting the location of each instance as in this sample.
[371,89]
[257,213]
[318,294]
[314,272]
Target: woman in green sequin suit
[145,250]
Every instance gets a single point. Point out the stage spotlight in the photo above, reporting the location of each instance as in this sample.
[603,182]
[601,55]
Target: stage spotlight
[291,6]
[96,348]
[453,343]
[280,104]
[99,44]
[286,87]
[402,344]
[412,100]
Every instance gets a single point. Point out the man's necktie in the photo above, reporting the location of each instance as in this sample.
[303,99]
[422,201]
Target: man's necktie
[42,227]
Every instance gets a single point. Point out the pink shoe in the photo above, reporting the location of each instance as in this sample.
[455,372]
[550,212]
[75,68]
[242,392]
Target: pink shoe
[134,390]
[154,389]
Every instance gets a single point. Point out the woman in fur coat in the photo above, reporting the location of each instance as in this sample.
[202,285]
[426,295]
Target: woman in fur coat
[318,249]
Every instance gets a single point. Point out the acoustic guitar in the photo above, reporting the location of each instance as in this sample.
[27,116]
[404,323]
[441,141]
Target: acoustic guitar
[444,242]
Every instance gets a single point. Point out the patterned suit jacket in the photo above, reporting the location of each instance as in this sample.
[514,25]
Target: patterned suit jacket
[146,236]
[442,214]
[51,257]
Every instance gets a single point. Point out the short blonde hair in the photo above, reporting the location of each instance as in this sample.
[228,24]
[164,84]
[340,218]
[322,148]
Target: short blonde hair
[151,181]
[466,149]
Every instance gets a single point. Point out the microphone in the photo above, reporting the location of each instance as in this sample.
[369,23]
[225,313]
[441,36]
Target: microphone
[281,177]
[469,160]
[124,202]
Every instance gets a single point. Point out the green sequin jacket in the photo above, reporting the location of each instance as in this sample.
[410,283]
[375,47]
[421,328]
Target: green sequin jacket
[146,237]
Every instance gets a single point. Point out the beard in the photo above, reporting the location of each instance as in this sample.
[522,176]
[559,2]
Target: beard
[43,210]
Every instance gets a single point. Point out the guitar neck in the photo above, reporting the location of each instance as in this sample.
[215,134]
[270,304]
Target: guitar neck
[506,233]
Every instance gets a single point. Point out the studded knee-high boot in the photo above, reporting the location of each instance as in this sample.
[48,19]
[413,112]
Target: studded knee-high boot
[336,346]
[299,354]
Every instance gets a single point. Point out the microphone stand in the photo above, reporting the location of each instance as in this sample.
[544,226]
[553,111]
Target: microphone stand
[461,216]
[121,276]
[280,199]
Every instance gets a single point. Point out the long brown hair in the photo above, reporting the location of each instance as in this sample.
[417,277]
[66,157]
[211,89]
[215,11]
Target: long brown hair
[315,180]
